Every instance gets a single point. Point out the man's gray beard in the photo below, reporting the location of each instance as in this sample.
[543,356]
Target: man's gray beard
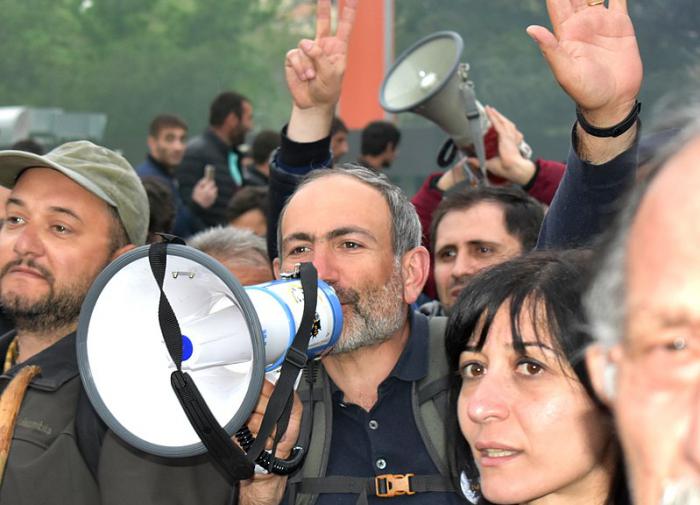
[376,314]
[55,310]
[682,492]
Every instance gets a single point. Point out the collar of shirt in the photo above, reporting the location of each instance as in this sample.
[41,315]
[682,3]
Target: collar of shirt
[220,144]
[413,362]
[165,171]
[59,363]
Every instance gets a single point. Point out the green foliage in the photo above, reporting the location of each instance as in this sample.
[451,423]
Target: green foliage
[133,59]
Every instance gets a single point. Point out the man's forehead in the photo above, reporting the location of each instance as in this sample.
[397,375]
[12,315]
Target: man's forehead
[335,201]
[43,182]
[481,221]
[663,267]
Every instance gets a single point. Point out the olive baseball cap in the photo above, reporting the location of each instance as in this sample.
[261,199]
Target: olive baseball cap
[99,170]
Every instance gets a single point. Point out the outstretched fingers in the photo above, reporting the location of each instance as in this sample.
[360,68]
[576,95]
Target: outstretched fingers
[618,5]
[347,19]
[323,18]
[557,58]
[559,11]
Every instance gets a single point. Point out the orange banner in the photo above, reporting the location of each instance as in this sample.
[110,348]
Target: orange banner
[369,56]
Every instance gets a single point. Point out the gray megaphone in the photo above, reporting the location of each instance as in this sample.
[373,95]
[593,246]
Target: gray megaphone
[429,79]
[231,337]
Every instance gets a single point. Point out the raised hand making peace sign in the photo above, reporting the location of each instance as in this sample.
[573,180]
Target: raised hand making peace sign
[314,72]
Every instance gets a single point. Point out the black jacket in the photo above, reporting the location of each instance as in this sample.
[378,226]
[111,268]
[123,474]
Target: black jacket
[207,149]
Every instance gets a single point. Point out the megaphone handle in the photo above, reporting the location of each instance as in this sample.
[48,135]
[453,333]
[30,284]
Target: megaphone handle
[447,153]
[294,361]
[474,119]
[229,458]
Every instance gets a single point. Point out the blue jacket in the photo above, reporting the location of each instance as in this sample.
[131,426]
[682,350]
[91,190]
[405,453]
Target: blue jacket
[186,224]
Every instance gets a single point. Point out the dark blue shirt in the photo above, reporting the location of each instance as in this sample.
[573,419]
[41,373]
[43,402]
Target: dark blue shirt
[385,439]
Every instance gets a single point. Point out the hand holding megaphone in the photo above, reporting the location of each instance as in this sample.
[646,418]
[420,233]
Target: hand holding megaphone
[512,162]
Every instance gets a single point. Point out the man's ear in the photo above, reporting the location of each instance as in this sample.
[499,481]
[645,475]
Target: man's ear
[151,141]
[122,250]
[415,266]
[276,267]
[602,369]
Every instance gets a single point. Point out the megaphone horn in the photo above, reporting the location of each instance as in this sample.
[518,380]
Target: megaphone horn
[230,336]
[429,79]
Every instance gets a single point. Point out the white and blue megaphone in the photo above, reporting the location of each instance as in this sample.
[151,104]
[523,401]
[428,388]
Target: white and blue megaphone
[231,337]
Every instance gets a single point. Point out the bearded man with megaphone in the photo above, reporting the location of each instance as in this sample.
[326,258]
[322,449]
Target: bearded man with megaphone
[375,438]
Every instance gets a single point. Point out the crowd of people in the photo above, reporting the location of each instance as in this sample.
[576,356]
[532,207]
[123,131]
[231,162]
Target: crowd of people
[529,341]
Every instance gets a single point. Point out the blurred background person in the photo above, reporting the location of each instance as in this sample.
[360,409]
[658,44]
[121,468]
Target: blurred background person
[257,173]
[29,145]
[339,139]
[242,252]
[213,159]
[166,139]
[248,209]
[379,145]
[161,206]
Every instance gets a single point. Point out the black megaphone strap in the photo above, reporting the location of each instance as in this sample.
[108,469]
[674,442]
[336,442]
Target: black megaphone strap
[294,362]
[227,456]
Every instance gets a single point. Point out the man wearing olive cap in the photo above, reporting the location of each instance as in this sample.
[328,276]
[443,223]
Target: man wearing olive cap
[69,214]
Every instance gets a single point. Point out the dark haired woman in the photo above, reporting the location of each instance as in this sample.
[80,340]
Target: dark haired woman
[527,428]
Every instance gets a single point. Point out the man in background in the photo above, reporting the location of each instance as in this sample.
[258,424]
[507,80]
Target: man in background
[257,173]
[477,229]
[215,155]
[339,139]
[380,144]
[166,139]
[242,252]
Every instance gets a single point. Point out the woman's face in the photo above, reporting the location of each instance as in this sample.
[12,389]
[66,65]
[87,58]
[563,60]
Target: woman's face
[532,429]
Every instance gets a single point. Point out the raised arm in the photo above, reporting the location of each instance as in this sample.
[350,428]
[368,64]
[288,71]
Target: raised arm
[314,72]
[593,54]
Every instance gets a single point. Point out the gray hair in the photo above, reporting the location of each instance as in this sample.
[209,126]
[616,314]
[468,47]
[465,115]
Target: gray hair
[606,299]
[242,246]
[405,226]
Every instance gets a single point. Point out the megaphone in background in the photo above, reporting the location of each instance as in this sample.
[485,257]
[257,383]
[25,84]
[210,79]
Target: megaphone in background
[230,337]
[429,79]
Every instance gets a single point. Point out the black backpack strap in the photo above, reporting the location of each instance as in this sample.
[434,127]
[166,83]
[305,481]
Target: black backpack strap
[430,394]
[89,432]
[315,393]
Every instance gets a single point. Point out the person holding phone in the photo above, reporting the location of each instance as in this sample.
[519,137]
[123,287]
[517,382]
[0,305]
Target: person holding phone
[207,191]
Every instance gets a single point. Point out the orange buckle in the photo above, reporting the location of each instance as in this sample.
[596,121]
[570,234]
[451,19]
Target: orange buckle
[390,485]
